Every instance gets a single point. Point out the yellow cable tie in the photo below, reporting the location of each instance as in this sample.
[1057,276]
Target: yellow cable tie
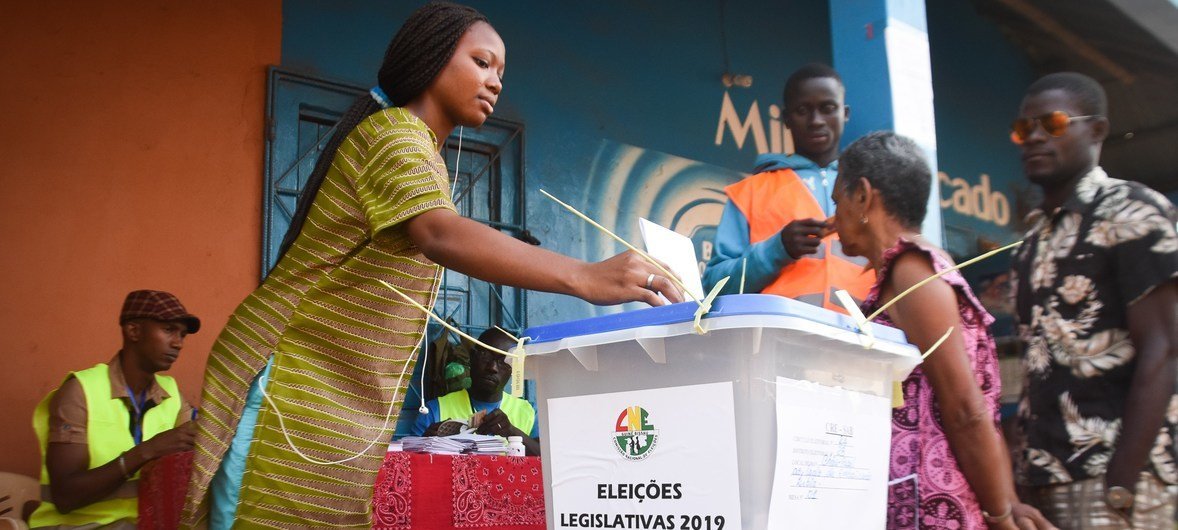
[897,394]
[509,335]
[937,344]
[447,324]
[744,263]
[866,334]
[942,273]
[644,255]
[517,366]
[706,305]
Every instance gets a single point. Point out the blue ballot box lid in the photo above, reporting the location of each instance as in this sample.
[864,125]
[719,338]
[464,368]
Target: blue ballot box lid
[723,306]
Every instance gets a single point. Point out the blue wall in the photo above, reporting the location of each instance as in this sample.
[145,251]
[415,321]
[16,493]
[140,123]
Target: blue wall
[602,88]
[580,72]
[978,82]
[622,101]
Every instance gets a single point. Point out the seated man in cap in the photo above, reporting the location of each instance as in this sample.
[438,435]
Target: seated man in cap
[106,422]
[502,414]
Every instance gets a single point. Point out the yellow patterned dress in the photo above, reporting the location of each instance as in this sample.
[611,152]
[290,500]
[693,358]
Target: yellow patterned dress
[340,339]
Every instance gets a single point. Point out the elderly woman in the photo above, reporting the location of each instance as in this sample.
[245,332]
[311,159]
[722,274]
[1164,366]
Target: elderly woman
[949,465]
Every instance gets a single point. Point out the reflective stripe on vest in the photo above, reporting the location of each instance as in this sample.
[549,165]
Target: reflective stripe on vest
[108,435]
[773,199]
[456,406]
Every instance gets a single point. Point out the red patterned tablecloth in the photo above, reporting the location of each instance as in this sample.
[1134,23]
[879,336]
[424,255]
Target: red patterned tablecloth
[413,491]
[426,492]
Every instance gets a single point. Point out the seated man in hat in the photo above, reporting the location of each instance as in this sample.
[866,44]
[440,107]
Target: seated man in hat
[503,414]
[106,422]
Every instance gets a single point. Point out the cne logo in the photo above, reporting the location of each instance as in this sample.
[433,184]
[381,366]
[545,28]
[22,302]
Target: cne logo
[634,435]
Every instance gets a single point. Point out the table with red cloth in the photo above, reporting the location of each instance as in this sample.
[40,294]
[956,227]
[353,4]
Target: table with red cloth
[413,491]
[427,492]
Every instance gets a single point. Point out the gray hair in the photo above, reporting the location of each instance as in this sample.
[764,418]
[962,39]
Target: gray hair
[894,165]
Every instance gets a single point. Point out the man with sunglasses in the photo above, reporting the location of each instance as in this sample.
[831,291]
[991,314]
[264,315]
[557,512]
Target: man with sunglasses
[1096,297]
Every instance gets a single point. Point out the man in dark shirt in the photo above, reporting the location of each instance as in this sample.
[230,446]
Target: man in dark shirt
[1095,296]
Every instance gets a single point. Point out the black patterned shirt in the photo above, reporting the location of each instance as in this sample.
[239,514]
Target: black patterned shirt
[1075,276]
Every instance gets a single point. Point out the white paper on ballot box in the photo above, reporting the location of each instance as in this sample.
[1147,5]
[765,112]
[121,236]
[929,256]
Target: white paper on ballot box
[832,458]
[657,458]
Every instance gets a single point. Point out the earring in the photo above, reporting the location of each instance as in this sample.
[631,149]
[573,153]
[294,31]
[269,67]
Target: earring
[863,220]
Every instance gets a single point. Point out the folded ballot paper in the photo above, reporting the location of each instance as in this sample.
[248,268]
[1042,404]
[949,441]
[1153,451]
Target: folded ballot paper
[677,251]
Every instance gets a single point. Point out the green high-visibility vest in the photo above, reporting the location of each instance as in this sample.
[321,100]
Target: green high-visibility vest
[108,435]
[456,405]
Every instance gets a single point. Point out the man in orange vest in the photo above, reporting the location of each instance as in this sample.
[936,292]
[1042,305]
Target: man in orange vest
[774,227]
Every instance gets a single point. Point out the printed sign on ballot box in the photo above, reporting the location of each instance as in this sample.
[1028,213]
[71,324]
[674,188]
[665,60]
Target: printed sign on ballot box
[662,458]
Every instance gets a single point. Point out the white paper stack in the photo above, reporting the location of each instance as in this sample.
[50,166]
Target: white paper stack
[482,444]
[456,444]
[433,444]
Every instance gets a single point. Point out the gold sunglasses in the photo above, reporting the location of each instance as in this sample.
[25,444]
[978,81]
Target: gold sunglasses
[1054,123]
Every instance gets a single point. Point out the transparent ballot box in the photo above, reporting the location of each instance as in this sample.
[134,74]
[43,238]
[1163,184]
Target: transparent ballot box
[777,416]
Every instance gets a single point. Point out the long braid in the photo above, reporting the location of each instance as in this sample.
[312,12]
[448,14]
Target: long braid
[418,52]
[363,107]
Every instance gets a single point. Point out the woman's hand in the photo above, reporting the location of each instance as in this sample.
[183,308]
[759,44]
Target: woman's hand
[477,250]
[623,278]
[1023,517]
[1026,517]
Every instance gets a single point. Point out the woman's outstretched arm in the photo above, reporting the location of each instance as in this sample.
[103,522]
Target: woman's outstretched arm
[477,250]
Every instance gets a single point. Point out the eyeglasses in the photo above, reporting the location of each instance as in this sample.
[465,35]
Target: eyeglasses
[1054,123]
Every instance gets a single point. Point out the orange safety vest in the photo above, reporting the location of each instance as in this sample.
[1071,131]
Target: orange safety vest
[772,199]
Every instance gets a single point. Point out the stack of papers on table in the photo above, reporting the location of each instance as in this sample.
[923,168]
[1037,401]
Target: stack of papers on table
[433,444]
[482,444]
[456,444]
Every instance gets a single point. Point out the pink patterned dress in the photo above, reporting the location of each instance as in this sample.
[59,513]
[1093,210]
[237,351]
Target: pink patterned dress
[927,489]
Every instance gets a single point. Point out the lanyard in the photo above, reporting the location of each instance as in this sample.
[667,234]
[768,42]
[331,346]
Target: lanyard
[137,422]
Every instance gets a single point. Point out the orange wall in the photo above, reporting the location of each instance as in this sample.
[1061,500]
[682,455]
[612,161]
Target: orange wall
[130,157]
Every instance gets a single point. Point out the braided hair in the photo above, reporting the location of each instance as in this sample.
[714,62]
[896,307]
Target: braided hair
[419,51]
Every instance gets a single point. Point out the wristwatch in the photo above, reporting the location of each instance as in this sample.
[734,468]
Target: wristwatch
[1119,498]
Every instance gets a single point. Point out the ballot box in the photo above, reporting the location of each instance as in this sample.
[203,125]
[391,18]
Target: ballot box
[777,416]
